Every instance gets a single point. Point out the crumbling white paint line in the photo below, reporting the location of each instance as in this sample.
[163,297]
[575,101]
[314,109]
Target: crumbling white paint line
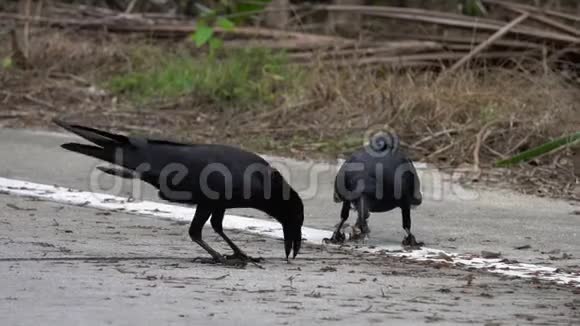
[273,229]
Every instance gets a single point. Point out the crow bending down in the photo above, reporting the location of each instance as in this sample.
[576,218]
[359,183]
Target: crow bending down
[213,177]
[377,178]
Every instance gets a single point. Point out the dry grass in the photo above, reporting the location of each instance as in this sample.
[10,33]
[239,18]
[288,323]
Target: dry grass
[439,122]
[439,119]
[476,116]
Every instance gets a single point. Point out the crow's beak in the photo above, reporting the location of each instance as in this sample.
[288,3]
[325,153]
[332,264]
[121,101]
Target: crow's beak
[296,245]
[292,241]
[287,246]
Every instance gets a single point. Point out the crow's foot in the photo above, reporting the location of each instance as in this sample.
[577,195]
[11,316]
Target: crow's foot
[337,237]
[243,257]
[411,242]
[236,262]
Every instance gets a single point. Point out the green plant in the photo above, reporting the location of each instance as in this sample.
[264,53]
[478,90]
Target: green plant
[205,29]
[540,150]
[246,78]
[204,33]
[239,11]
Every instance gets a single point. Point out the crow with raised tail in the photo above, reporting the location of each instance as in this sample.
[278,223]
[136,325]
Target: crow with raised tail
[212,177]
[377,178]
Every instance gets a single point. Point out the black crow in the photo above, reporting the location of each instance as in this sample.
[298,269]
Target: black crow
[213,177]
[377,178]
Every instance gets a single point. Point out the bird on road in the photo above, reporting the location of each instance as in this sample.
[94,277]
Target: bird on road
[211,176]
[377,178]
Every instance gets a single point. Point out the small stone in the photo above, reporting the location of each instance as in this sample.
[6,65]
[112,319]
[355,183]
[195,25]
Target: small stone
[490,254]
[527,246]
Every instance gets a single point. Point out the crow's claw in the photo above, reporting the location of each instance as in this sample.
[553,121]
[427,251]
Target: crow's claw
[359,237]
[337,237]
[244,257]
[236,262]
[227,261]
[411,242]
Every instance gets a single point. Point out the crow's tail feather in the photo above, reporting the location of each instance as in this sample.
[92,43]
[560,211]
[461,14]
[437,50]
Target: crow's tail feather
[98,137]
[105,154]
[122,173]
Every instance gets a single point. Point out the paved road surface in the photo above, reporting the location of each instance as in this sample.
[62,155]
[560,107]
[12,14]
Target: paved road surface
[65,265]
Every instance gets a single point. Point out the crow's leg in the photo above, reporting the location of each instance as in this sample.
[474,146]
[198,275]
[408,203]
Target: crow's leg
[410,238]
[217,218]
[201,216]
[338,236]
[362,208]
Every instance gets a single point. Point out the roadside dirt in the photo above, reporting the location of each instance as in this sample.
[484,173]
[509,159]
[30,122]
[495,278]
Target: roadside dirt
[116,268]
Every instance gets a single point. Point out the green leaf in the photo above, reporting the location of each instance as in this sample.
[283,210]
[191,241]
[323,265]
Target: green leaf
[225,23]
[6,62]
[202,35]
[540,150]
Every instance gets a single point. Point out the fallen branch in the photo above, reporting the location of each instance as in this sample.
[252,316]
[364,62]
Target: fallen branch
[440,150]
[114,25]
[14,115]
[388,48]
[38,101]
[449,40]
[504,30]
[533,9]
[418,60]
[131,6]
[283,44]
[479,139]
[432,136]
[451,20]
[543,19]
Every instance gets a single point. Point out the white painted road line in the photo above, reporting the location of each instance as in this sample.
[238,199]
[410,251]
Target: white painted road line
[273,229]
